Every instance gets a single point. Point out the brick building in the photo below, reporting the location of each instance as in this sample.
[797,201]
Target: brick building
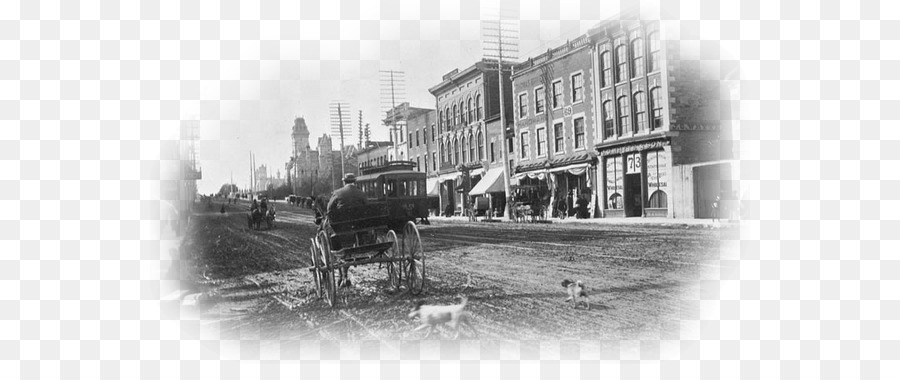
[553,102]
[466,100]
[659,136]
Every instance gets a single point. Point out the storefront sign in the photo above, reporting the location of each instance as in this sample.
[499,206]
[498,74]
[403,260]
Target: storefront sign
[657,169]
[614,175]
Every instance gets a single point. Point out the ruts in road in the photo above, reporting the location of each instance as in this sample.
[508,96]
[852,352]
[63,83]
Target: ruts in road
[641,279]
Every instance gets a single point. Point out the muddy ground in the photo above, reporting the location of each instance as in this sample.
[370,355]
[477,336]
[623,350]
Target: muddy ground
[255,284]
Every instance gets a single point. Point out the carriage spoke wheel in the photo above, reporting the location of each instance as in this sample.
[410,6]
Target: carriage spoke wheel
[415,258]
[316,263]
[328,270]
[394,267]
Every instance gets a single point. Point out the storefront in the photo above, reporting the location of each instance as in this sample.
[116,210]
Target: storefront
[573,186]
[636,180]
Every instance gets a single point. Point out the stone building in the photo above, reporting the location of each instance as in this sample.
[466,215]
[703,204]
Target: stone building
[466,100]
[319,170]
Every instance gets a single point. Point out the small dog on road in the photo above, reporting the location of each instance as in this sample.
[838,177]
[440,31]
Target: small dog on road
[577,293]
[433,315]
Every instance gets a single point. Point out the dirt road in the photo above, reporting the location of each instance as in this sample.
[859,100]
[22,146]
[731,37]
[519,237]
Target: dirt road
[255,283]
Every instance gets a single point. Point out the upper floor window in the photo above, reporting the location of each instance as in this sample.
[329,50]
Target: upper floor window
[479,114]
[524,144]
[557,92]
[608,117]
[455,115]
[656,108]
[541,141]
[539,101]
[480,139]
[455,152]
[640,111]
[654,51]
[621,63]
[410,139]
[471,148]
[558,137]
[579,132]
[432,133]
[433,161]
[440,120]
[523,105]
[469,111]
[463,150]
[637,54]
[577,88]
[493,156]
[606,69]
[447,119]
[624,112]
[462,113]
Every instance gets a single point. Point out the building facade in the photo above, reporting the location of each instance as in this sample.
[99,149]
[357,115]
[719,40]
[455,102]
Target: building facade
[659,140]
[465,100]
[317,171]
[553,103]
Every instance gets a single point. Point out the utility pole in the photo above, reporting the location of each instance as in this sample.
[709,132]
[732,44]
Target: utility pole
[359,132]
[495,31]
[392,91]
[340,111]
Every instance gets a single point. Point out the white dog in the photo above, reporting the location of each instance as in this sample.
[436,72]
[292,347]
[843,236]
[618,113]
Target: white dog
[433,315]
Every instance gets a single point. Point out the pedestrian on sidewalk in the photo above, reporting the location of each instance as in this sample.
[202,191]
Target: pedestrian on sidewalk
[715,207]
[561,207]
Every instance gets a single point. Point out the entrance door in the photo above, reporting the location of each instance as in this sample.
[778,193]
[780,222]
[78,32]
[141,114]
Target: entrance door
[711,181]
[633,199]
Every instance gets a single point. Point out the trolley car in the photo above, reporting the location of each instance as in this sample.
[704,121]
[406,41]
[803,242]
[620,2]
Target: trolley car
[401,187]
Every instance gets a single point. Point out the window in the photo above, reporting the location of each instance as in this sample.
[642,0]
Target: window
[624,125]
[577,88]
[524,141]
[418,166]
[654,51]
[469,111]
[433,161]
[637,54]
[541,141]
[509,144]
[608,116]
[432,133]
[523,105]
[462,115]
[556,91]
[443,153]
[579,132]
[478,108]
[410,139]
[480,139]
[493,156]
[614,182]
[640,111]
[440,120]
[471,149]
[539,101]
[606,68]
[656,107]
[447,121]
[621,63]
[455,115]
[455,152]
[463,150]
[558,137]
[657,166]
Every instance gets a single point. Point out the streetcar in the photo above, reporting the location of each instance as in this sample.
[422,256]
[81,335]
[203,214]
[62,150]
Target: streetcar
[401,188]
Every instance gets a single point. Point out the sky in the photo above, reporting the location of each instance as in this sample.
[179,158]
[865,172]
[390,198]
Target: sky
[257,115]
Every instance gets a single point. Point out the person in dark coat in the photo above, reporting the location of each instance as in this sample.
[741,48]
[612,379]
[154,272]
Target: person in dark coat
[581,208]
[347,196]
[562,208]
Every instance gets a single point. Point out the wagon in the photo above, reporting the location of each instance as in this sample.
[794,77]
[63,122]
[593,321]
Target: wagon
[361,236]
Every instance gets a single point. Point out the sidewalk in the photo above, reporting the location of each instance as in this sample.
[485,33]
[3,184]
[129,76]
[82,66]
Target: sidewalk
[668,222]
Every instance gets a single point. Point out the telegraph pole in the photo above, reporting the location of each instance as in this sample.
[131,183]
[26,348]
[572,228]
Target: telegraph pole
[392,87]
[339,112]
[496,31]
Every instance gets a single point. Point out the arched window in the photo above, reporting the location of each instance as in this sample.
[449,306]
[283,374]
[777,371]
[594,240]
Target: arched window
[471,148]
[655,108]
[615,201]
[447,120]
[654,51]
[606,69]
[480,139]
[624,111]
[621,63]
[443,153]
[455,152]
[462,113]
[640,111]
[608,117]
[469,114]
[637,60]
[463,149]
[658,199]
[440,120]
[455,115]
[478,108]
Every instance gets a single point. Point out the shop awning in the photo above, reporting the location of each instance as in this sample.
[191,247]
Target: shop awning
[491,183]
[431,184]
[577,169]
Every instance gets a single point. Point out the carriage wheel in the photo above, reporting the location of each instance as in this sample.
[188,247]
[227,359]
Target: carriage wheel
[327,274]
[394,268]
[415,256]
[316,264]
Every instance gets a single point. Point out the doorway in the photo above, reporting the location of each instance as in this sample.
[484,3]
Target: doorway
[633,195]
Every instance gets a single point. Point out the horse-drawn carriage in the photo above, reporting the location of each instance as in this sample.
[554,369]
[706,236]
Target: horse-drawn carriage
[256,217]
[360,236]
